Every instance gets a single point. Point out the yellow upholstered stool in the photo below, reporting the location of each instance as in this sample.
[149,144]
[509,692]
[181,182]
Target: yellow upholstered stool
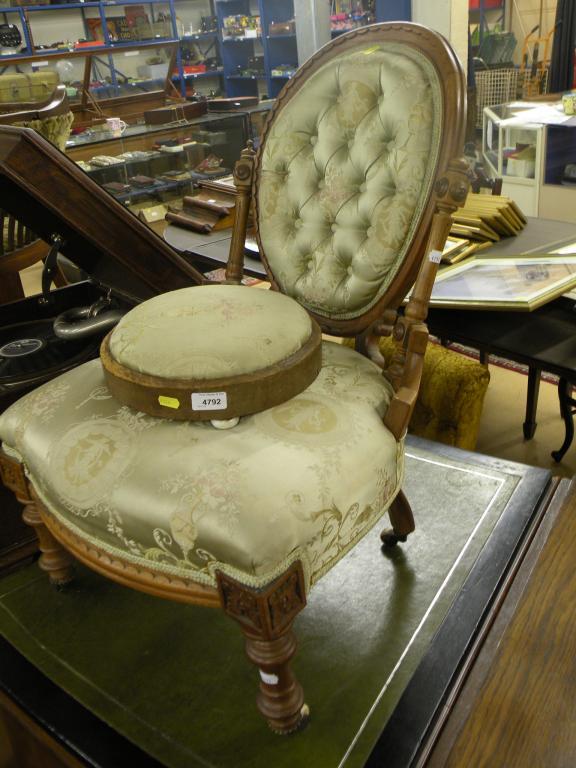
[451,396]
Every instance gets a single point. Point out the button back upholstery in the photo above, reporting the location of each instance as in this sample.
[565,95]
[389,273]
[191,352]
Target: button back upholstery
[353,185]
[344,174]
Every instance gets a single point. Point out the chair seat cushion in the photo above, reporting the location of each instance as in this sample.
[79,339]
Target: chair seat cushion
[258,347]
[303,480]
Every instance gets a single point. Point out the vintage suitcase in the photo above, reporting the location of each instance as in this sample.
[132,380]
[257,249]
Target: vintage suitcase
[14,87]
[126,261]
[42,84]
[35,86]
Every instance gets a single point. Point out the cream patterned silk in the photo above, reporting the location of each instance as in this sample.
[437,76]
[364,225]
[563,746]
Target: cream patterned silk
[345,173]
[304,480]
[210,331]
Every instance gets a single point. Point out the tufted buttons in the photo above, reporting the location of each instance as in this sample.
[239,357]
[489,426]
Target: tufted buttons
[321,183]
[363,187]
[370,231]
[310,265]
[313,139]
[297,223]
[334,227]
[350,271]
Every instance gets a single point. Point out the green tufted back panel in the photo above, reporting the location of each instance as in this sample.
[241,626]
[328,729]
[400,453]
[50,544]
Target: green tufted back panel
[345,171]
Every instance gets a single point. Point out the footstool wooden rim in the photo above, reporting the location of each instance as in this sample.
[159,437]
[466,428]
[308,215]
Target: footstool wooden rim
[171,398]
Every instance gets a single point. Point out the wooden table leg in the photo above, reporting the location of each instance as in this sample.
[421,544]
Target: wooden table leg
[567,406]
[529,425]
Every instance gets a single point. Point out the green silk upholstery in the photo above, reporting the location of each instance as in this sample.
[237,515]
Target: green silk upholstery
[210,331]
[344,174]
[302,481]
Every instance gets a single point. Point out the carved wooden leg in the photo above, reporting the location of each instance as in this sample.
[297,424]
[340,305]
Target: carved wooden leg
[265,617]
[54,559]
[402,521]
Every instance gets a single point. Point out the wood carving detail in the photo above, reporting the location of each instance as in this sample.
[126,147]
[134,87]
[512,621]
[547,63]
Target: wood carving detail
[241,604]
[270,610]
[130,574]
[286,602]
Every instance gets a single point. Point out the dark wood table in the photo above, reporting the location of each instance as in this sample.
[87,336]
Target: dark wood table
[544,340]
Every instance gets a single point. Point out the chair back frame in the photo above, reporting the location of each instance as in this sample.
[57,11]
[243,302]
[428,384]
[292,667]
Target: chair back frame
[453,96]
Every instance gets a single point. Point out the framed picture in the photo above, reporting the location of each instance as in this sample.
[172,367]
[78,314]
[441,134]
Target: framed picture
[457,249]
[522,282]
[454,245]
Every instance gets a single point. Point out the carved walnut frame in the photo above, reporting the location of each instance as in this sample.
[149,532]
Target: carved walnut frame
[266,615]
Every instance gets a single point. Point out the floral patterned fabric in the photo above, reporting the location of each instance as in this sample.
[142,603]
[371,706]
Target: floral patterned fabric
[56,128]
[210,331]
[301,481]
[345,173]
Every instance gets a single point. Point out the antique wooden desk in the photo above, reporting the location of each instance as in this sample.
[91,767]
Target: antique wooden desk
[48,726]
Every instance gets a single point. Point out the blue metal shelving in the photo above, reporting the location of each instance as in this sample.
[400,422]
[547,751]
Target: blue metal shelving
[277,50]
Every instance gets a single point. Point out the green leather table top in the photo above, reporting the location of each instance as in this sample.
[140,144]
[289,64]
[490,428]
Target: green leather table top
[174,680]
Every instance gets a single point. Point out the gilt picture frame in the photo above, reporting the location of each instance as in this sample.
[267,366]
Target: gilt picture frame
[521,283]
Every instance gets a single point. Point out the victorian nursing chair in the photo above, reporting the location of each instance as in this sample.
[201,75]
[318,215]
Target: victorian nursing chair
[19,246]
[220,453]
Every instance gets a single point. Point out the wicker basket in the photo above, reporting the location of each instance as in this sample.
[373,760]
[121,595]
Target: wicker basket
[494,86]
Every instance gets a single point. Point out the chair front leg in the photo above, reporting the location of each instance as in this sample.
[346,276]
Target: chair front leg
[54,559]
[266,617]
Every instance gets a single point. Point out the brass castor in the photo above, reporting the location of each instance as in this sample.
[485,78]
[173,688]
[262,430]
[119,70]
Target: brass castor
[390,539]
[300,725]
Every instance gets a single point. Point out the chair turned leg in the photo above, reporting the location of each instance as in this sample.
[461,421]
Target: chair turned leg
[265,617]
[54,559]
[402,520]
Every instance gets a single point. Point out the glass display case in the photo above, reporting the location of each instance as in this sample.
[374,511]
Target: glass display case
[536,160]
[151,167]
[512,150]
[93,77]
[145,166]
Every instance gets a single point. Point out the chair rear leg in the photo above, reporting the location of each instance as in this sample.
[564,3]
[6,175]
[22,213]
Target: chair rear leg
[265,617]
[402,521]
